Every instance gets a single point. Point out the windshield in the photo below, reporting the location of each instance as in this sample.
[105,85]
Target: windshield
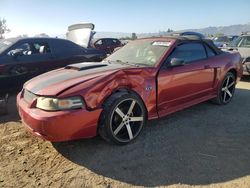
[221,39]
[235,42]
[4,44]
[140,53]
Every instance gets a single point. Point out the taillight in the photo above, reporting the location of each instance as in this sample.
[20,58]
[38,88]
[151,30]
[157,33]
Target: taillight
[1,68]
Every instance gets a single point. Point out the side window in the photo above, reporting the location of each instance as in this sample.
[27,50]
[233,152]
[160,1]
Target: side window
[210,52]
[22,49]
[245,42]
[115,41]
[109,42]
[29,48]
[99,43]
[189,52]
[40,48]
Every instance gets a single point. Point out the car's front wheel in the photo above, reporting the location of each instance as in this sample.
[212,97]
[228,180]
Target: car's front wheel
[226,90]
[122,119]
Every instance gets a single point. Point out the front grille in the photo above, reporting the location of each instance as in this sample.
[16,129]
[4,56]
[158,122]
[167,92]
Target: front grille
[28,96]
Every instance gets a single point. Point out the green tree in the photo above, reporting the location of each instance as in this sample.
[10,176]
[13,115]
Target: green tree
[170,30]
[218,34]
[3,28]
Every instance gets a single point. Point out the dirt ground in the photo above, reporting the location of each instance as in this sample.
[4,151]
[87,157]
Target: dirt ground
[203,146]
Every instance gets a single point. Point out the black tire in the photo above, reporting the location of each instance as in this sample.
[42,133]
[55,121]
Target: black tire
[226,90]
[122,128]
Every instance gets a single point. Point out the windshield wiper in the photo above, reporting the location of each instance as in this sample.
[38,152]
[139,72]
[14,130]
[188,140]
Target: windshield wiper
[120,61]
[106,61]
[144,64]
[128,63]
[110,61]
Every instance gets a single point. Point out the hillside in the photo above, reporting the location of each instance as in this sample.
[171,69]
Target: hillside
[227,30]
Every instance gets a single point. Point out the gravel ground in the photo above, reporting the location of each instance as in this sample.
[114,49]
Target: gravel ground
[203,146]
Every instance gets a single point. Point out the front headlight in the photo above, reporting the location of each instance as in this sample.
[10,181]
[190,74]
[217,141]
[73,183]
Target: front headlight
[53,104]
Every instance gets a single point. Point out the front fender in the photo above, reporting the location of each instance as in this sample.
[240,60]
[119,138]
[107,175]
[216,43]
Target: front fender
[143,84]
[141,81]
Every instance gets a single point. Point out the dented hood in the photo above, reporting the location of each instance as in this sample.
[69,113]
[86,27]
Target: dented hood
[57,81]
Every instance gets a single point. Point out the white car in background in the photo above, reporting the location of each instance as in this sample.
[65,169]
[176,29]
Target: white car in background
[242,45]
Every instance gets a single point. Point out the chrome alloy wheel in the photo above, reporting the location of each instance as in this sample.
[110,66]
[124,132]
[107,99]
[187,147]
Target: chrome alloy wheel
[228,88]
[127,120]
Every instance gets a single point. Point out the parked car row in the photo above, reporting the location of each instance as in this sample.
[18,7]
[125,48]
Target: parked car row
[237,43]
[146,79]
[223,41]
[83,35]
[23,58]
[242,45]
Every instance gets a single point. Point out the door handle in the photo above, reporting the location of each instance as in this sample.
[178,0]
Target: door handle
[207,67]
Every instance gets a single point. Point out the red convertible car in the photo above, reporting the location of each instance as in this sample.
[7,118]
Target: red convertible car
[146,79]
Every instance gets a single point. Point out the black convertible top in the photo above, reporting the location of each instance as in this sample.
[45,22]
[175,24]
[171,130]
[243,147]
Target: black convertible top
[194,38]
[208,42]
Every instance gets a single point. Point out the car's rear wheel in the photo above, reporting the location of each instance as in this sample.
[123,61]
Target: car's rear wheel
[122,119]
[226,90]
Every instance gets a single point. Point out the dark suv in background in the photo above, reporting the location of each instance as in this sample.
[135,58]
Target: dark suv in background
[242,45]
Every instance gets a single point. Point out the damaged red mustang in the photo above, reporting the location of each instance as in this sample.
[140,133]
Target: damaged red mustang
[146,79]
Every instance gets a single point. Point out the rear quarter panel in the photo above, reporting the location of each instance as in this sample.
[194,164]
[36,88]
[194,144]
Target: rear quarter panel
[232,60]
[224,63]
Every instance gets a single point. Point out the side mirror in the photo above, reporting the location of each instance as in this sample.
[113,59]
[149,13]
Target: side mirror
[232,49]
[175,62]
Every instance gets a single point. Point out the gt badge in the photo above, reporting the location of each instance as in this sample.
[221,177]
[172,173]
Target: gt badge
[148,88]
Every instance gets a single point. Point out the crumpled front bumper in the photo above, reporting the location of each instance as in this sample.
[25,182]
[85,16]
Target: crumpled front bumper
[59,125]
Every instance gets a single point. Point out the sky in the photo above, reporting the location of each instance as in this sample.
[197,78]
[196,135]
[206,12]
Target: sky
[140,16]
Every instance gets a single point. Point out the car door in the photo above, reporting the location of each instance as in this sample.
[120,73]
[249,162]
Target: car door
[100,44]
[26,59]
[16,60]
[45,56]
[67,52]
[112,44]
[34,58]
[179,87]
[109,43]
